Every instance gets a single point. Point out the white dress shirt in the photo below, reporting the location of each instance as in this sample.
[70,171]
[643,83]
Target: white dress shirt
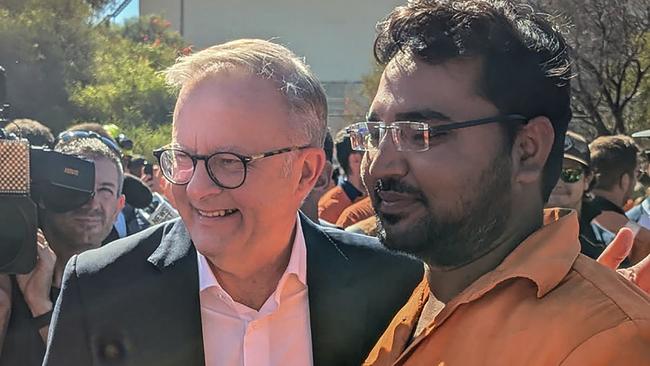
[279,334]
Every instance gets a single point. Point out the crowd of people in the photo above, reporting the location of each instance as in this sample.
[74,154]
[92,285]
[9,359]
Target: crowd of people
[460,224]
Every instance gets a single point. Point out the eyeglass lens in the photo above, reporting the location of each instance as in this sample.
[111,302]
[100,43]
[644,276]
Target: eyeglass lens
[407,136]
[226,169]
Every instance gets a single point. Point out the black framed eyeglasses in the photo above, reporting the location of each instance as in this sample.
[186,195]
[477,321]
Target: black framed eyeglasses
[226,169]
[67,136]
[412,136]
[571,175]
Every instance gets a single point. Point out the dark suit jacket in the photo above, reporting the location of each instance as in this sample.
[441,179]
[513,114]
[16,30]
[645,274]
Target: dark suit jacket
[136,300]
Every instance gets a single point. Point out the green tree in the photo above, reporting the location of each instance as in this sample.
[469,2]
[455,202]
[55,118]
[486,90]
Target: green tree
[146,138]
[127,87]
[46,45]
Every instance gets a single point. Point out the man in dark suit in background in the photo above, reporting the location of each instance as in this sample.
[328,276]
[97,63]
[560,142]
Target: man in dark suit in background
[243,275]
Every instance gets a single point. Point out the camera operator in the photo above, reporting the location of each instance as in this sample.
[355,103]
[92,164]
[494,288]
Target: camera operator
[65,234]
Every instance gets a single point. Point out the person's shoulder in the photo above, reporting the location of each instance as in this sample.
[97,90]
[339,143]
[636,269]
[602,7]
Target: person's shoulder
[603,288]
[333,195]
[614,323]
[123,251]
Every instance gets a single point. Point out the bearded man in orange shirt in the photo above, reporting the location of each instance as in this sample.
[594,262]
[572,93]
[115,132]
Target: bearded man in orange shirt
[464,144]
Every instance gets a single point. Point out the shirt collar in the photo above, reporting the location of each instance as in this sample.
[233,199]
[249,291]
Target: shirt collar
[545,257]
[297,263]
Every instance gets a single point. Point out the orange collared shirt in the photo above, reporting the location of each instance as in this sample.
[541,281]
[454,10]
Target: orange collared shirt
[545,304]
[356,212]
[332,203]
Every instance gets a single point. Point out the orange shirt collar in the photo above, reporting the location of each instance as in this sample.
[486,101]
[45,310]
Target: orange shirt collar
[545,257]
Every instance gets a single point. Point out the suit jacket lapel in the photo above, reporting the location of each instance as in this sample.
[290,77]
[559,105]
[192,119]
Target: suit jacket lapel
[176,259]
[336,310]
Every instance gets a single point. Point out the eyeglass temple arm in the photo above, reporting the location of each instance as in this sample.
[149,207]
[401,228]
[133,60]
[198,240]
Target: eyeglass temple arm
[248,159]
[477,122]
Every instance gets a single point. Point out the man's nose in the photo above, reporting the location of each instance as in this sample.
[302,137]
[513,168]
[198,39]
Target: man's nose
[201,185]
[385,161]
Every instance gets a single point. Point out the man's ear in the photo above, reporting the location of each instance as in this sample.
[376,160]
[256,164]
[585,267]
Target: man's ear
[531,149]
[624,182]
[121,201]
[588,178]
[313,162]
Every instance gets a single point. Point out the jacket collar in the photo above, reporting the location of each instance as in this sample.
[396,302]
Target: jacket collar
[174,245]
[334,301]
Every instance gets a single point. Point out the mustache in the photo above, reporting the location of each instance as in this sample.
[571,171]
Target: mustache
[396,185]
[89,213]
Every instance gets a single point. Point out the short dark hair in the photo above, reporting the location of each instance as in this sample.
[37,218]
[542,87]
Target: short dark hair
[611,158]
[93,149]
[343,150]
[35,132]
[525,60]
[328,146]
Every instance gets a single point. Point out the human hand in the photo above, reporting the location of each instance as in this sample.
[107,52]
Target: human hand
[36,285]
[148,180]
[617,251]
[5,298]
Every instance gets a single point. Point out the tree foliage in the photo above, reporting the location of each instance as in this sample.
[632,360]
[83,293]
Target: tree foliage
[127,87]
[43,55]
[610,43]
[147,138]
[62,69]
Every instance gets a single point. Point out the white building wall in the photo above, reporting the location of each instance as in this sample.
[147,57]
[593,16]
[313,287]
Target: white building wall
[335,36]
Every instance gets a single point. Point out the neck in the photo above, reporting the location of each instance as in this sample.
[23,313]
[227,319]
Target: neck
[310,208]
[446,284]
[355,179]
[63,254]
[578,208]
[251,279]
[614,197]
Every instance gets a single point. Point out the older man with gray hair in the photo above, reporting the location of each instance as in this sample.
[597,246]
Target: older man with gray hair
[242,278]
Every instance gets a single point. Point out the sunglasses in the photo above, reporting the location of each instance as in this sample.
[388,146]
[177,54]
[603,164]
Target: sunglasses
[571,175]
[68,136]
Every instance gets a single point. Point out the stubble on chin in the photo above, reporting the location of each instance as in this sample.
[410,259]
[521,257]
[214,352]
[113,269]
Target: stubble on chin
[448,240]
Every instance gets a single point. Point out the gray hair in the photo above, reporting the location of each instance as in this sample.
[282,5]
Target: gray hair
[304,93]
[93,149]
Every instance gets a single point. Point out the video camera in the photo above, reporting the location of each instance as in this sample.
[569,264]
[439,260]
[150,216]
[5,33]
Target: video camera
[33,178]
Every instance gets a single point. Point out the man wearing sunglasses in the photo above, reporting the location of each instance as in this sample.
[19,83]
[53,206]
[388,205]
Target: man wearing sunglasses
[243,278]
[572,189]
[464,143]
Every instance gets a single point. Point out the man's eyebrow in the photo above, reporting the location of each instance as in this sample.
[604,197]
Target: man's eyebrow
[107,184]
[223,148]
[421,116]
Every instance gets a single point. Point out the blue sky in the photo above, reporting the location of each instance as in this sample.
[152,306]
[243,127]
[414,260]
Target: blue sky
[130,11]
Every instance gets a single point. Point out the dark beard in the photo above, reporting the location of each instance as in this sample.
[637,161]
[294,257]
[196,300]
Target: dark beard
[448,240]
